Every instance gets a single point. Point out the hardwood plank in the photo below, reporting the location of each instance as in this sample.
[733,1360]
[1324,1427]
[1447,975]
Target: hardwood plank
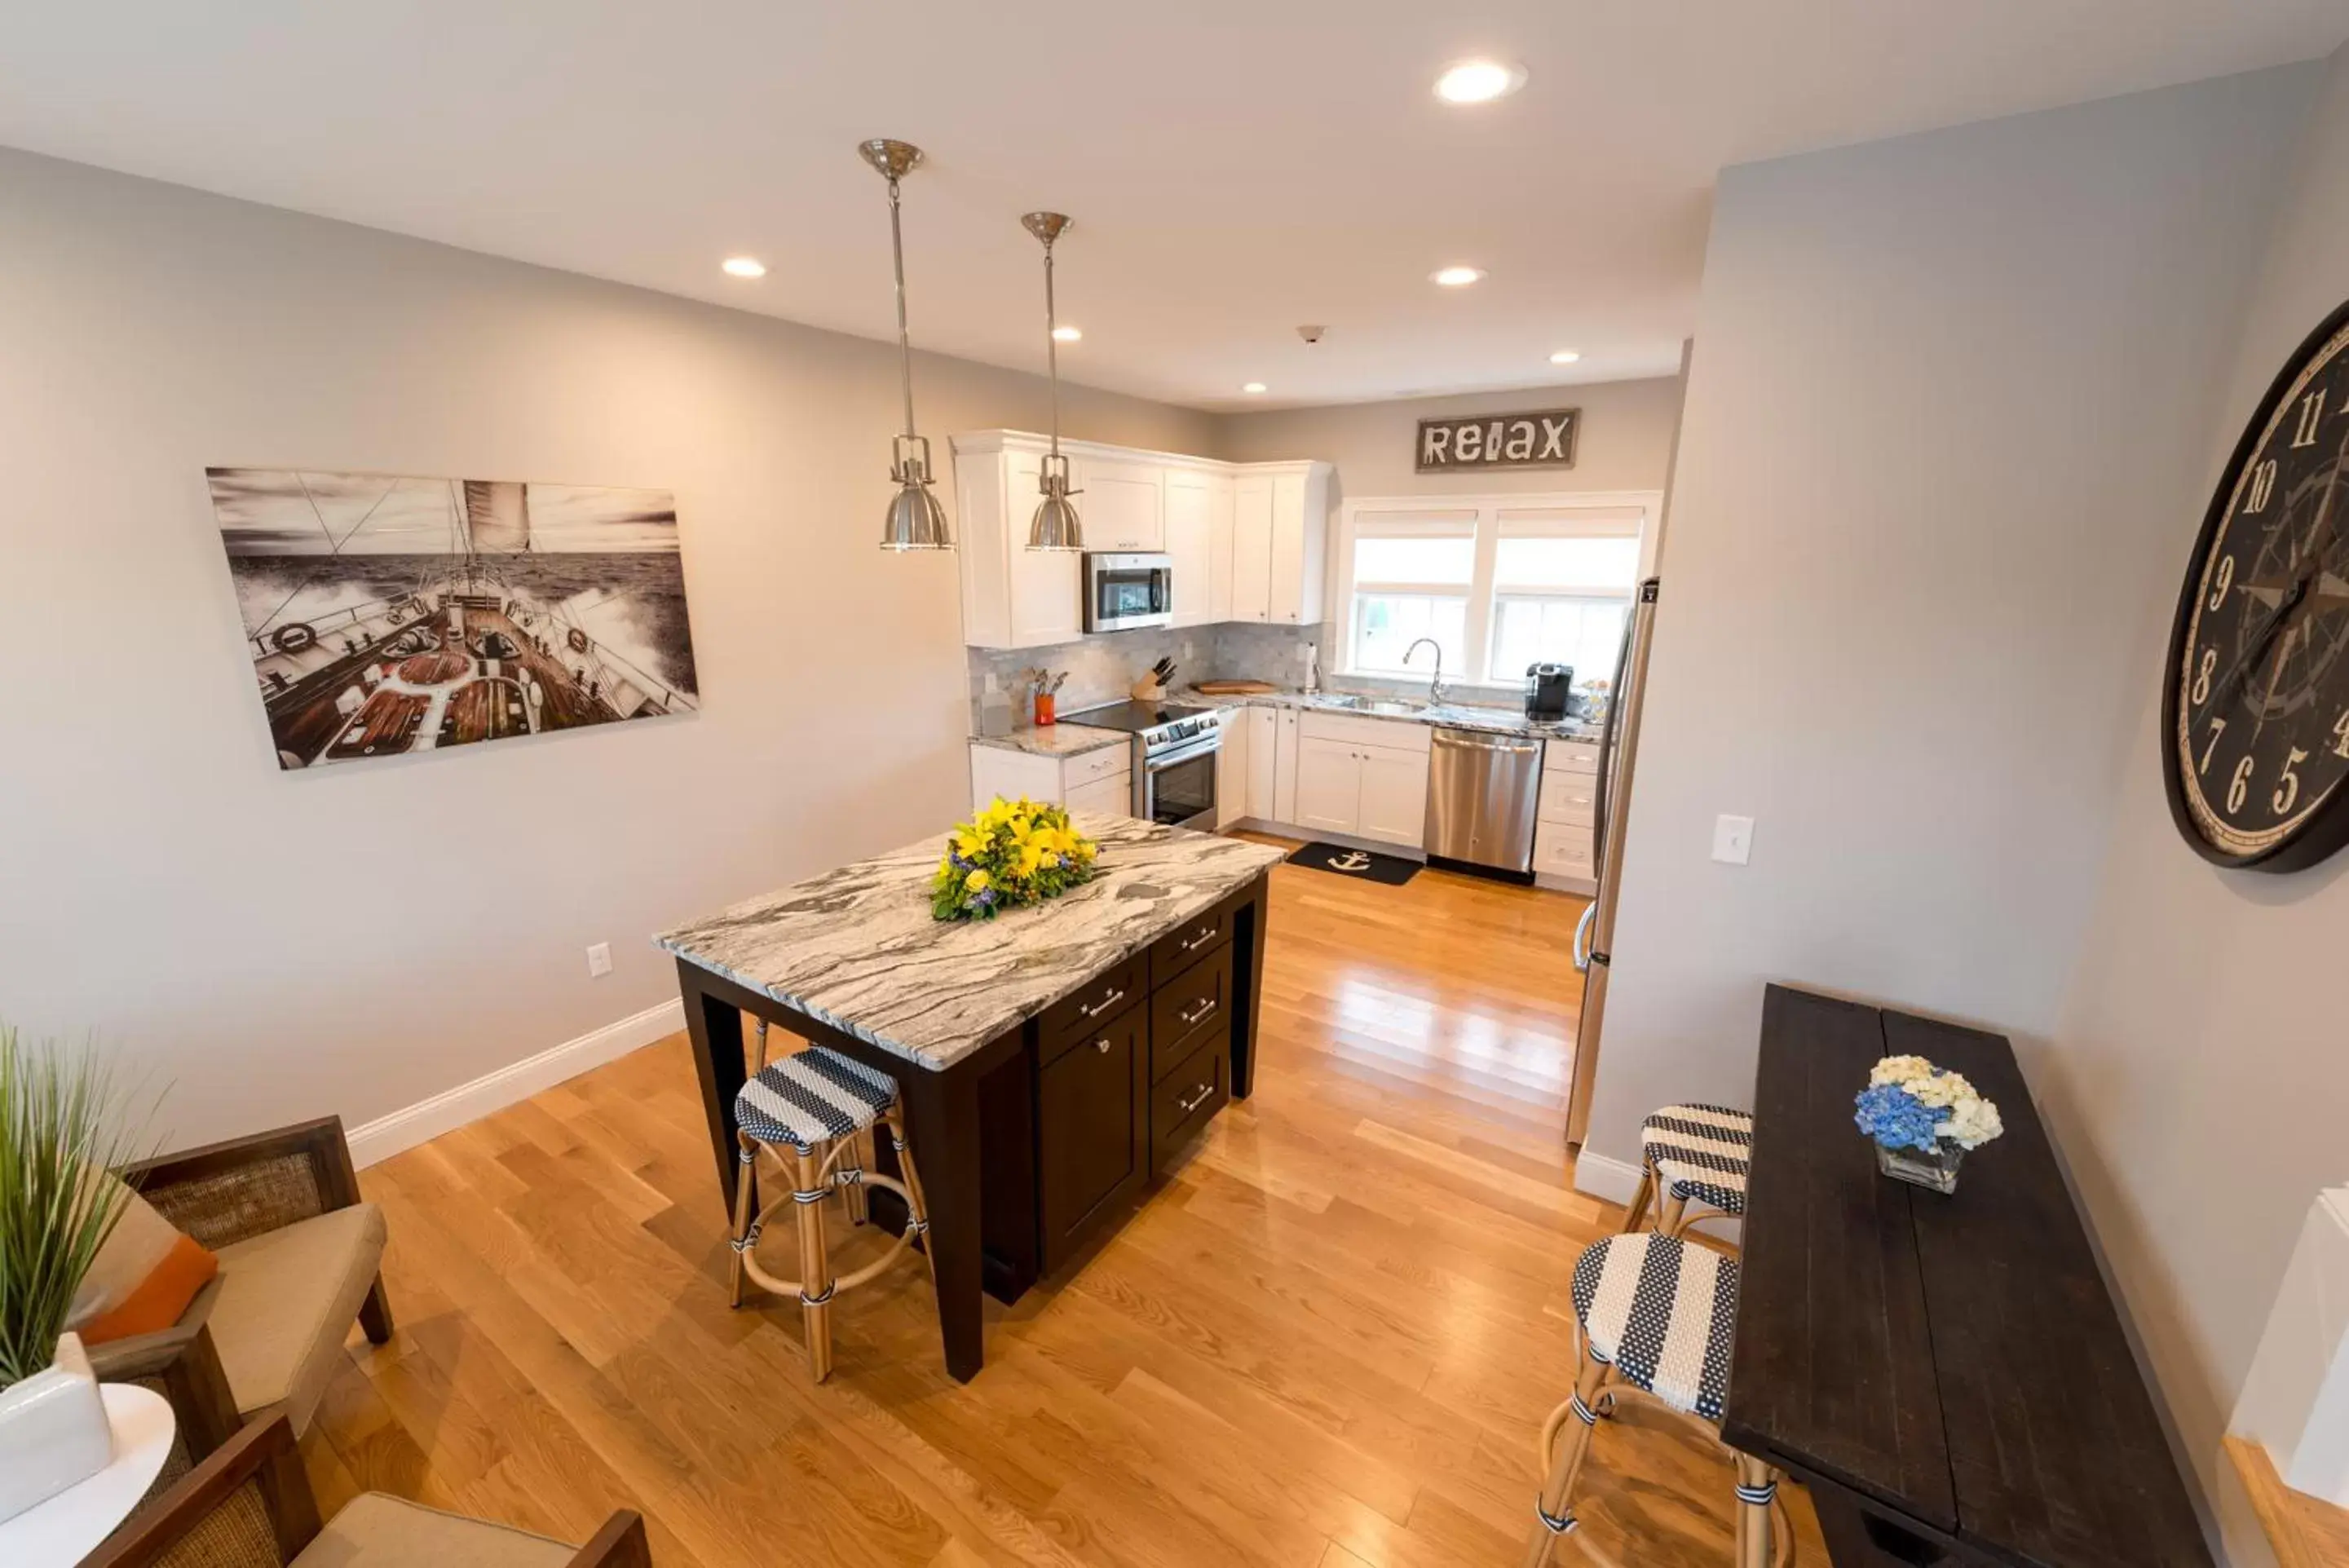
[1328,1339]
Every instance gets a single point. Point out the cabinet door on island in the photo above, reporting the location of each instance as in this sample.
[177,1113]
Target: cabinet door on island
[1092,1107]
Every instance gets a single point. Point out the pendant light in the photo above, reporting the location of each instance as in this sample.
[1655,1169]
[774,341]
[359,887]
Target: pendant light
[1056,525]
[915,521]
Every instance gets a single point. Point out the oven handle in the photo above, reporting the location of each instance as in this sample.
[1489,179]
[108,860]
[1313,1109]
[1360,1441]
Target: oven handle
[1213,740]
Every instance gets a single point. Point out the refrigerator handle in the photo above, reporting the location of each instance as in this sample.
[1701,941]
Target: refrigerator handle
[1607,746]
[1582,937]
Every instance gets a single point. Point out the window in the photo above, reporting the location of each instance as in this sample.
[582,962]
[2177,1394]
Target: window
[1499,584]
[1412,575]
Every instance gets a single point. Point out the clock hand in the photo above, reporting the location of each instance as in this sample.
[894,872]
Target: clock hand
[2222,692]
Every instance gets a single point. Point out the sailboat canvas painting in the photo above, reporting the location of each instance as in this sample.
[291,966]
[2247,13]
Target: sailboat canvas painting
[388,615]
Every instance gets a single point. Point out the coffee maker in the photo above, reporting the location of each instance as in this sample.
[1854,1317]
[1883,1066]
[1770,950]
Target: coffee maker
[1548,689]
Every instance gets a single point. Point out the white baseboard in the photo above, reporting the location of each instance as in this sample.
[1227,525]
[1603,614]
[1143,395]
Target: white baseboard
[387,1136]
[1606,1179]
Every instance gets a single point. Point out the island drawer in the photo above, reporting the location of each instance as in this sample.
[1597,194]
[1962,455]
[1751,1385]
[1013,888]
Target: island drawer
[1200,998]
[1171,955]
[1189,1098]
[1092,1004]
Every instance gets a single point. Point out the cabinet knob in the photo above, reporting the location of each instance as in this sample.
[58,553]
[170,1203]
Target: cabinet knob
[1102,1044]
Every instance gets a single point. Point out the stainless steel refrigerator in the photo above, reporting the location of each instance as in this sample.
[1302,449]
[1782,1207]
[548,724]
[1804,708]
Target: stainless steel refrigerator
[1594,938]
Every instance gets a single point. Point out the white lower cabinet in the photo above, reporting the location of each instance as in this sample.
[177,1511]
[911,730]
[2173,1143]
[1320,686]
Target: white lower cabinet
[1565,826]
[1263,759]
[1099,781]
[1284,766]
[1232,766]
[1365,778]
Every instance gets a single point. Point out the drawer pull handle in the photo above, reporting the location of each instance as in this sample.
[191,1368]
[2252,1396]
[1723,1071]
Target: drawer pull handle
[1198,937]
[1206,1005]
[1195,1101]
[1102,1044]
[1103,1005]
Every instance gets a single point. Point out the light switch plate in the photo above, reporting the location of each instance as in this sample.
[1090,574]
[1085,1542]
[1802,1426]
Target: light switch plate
[1733,839]
[599,960]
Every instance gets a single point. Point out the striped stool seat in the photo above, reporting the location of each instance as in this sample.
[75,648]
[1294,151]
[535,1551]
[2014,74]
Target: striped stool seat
[1700,1154]
[811,1098]
[1661,1310]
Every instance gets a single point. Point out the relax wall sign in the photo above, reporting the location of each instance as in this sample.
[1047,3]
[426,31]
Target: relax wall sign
[1540,440]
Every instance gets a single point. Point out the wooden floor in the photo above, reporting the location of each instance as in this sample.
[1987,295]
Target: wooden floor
[1330,1339]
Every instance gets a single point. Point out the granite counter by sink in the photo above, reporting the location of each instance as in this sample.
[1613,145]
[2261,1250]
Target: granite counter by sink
[1446,715]
[857,948]
[1063,740]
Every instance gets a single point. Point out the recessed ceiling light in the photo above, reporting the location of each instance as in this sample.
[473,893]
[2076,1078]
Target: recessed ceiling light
[1253,386]
[743,266]
[1066,334]
[1456,277]
[1479,81]
[1566,357]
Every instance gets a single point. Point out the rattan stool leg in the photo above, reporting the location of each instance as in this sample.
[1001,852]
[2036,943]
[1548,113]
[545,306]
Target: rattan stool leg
[746,1181]
[1757,1491]
[1641,1196]
[851,1196]
[918,1211]
[1674,1212]
[1552,1517]
[815,1263]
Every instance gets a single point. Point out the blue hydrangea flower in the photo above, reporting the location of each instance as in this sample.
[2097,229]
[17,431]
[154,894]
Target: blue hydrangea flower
[1895,1119]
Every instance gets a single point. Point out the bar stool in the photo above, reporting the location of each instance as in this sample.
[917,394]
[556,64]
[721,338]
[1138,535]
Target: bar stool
[1691,1154]
[1653,1315]
[818,1107]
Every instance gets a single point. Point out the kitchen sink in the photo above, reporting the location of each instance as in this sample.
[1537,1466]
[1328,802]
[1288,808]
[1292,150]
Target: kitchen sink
[1390,706]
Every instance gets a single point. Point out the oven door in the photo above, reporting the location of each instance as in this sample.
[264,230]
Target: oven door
[1179,787]
[1124,592]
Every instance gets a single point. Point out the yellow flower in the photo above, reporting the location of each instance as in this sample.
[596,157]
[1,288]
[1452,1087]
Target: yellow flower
[968,842]
[1032,855]
[976,882]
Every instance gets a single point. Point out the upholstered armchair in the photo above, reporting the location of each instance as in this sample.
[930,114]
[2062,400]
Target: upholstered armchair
[300,1257]
[249,1505]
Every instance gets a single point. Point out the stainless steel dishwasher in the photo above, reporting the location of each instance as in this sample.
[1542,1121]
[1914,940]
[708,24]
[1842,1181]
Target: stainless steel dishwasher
[1482,793]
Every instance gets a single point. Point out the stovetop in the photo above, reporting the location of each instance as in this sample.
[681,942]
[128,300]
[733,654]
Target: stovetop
[1134,718]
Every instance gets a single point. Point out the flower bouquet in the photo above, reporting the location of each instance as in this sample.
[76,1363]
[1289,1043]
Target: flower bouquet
[1009,855]
[1923,1120]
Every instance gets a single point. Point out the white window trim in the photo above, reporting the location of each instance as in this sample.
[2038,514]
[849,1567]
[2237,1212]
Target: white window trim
[1488,510]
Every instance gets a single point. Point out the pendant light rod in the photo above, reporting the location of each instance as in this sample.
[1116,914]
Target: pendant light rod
[1056,525]
[1048,227]
[915,520]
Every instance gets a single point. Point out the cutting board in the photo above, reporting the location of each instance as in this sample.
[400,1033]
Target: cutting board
[1236,688]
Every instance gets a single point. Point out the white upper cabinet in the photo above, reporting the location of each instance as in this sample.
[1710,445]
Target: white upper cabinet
[1123,503]
[1252,547]
[1190,544]
[1246,541]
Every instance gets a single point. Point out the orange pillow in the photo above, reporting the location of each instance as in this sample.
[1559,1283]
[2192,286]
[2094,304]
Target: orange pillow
[143,1278]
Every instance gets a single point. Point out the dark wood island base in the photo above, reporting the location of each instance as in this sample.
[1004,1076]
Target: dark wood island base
[1036,1142]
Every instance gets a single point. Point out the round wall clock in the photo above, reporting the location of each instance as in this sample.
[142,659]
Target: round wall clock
[2255,699]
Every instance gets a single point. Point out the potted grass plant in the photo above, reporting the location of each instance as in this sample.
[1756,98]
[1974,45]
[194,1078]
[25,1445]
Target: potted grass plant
[62,1124]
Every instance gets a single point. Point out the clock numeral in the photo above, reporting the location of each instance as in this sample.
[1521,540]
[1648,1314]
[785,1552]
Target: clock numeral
[2312,414]
[2288,791]
[2201,693]
[2340,735]
[2218,728]
[2223,582]
[2263,479]
[2238,786]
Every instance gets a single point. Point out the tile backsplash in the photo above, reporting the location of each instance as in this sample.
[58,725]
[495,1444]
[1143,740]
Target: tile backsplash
[1104,666]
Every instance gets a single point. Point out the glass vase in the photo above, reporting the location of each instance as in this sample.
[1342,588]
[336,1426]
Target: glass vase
[1936,1167]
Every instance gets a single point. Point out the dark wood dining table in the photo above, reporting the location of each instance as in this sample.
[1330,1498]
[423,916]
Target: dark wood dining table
[1947,1374]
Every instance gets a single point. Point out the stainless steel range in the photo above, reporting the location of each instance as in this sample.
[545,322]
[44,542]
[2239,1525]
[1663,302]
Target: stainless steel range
[1174,747]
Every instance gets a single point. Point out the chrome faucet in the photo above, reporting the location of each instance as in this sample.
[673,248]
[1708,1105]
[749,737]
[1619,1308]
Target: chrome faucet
[1435,684]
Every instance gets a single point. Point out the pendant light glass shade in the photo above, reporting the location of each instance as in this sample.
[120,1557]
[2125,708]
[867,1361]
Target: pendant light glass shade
[915,521]
[1056,525]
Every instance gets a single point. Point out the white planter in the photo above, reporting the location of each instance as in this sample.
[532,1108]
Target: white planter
[53,1431]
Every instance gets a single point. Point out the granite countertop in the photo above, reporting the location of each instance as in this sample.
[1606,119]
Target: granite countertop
[1063,740]
[857,948]
[1448,715]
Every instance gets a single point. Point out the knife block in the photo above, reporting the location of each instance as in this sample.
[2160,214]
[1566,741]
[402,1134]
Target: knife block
[1147,689]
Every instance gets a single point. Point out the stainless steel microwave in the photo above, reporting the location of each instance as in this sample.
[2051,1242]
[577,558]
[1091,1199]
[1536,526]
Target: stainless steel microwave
[1125,592]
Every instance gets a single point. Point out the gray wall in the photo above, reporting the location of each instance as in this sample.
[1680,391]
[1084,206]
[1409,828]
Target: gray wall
[1949,424]
[1625,444]
[356,939]
[2198,1080]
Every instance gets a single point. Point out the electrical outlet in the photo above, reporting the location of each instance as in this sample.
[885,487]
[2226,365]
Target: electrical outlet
[1733,839]
[599,960]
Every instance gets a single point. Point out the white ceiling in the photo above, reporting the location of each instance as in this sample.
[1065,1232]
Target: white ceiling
[1235,167]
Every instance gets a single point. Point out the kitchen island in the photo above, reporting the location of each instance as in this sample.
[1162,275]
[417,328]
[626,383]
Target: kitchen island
[1050,1061]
